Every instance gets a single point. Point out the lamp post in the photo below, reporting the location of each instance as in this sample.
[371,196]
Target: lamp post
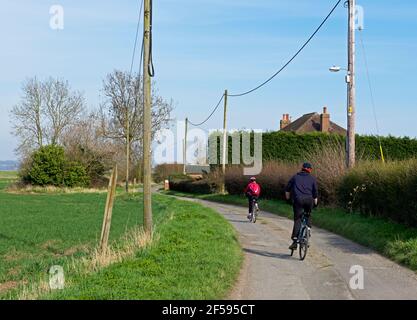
[350,147]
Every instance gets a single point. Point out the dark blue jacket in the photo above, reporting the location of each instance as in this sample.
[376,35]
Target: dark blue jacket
[302,185]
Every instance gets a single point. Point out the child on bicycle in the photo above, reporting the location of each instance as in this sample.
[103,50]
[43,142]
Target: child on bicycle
[302,188]
[252,192]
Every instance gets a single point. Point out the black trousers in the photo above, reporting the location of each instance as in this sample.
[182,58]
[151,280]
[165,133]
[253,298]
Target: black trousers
[251,198]
[300,205]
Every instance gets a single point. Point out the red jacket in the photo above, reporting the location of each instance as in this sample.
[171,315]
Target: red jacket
[253,188]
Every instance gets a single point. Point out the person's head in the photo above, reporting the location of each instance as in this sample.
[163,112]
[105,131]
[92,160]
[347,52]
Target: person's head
[307,167]
[253,179]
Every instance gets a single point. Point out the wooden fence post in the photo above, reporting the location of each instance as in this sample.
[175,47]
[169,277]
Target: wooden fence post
[111,192]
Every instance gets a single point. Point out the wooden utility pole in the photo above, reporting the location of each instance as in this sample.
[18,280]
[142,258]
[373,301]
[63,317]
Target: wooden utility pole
[224,151]
[147,121]
[185,147]
[111,192]
[350,145]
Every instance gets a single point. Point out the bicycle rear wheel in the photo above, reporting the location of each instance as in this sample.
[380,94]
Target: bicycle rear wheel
[254,212]
[303,244]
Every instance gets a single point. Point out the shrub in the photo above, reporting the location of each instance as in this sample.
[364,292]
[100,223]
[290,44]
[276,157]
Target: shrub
[76,175]
[49,166]
[386,190]
[185,183]
[329,163]
[273,179]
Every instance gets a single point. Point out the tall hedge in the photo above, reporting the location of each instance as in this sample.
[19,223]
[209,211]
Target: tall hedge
[386,190]
[289,146]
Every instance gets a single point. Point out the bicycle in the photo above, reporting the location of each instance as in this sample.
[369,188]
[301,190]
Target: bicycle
[303,237]
[253,216]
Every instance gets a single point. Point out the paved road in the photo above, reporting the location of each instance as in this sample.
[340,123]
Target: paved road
[270,273]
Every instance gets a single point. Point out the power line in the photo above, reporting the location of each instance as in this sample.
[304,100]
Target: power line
[139,76]
[136,38]
[293,57]
[151,69]
[211,114]
[134,52]
[371,92]
[369,81]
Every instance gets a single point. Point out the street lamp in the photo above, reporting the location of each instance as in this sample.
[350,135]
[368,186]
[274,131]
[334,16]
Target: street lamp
[337,69]
[348,82]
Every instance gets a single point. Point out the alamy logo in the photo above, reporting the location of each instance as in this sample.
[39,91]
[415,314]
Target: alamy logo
[357,281]
[56,21]
[207,147]
[56,278]
[359,18]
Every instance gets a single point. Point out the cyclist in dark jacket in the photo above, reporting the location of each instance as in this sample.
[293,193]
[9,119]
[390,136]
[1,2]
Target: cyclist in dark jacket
[302,188]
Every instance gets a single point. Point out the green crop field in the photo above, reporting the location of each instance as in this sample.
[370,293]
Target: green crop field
[38,231]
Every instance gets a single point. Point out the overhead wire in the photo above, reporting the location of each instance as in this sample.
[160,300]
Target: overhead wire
[292,58]
[151,69]
[371,93]
[138,88]
[136,37]
[275,74]
[211,114]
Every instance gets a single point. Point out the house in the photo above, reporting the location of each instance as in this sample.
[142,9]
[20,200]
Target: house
[311,122]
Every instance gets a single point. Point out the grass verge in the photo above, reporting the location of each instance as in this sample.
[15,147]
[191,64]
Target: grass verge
[395,241]
[197,256]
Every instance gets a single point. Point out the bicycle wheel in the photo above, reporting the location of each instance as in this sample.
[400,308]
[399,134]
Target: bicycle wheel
[254,212]
[303,243]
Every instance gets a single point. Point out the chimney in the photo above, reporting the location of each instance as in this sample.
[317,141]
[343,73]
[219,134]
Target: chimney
[285,121]
[325,121]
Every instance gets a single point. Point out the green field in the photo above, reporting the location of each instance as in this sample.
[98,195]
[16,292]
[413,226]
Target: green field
[195,253]
[391,239]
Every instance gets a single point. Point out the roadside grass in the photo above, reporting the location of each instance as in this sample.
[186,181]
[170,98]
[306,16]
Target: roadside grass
[38,231]
[395,241]
[197,256]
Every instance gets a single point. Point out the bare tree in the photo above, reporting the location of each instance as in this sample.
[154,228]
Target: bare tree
[45,111]
[84,143]
[122,112]
[62,107]
[27,116]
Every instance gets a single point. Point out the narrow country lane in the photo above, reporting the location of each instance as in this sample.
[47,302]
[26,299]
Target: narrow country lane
[269,272]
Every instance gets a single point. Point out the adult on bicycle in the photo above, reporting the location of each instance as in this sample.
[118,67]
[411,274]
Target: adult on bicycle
[252,192]
[302,189]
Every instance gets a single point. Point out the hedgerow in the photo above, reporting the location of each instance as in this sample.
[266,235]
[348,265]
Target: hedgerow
[290,146]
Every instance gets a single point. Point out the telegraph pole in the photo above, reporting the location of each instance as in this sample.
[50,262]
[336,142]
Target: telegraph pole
[350,145]
[147,121]
[185,146]
[224,155]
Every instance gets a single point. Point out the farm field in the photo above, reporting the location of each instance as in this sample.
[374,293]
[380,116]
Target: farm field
[38,231]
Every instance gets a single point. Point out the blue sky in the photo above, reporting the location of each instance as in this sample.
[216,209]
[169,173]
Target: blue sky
[202,47]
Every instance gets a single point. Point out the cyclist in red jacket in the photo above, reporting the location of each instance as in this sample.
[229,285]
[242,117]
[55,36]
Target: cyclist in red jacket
[252,191]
